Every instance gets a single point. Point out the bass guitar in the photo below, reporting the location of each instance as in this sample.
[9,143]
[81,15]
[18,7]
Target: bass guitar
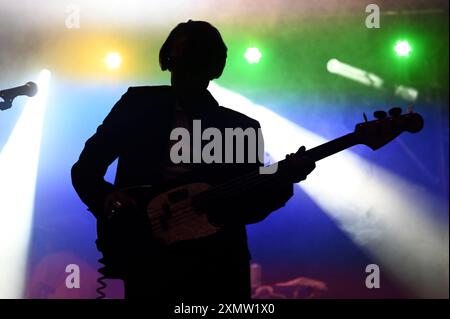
[181,213]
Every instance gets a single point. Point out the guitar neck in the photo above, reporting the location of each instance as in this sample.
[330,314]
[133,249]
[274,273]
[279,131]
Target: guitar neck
[332,147]
[318,153]
[255,179]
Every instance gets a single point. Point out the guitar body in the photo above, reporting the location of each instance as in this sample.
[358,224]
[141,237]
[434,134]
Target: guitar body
[173,218]
[157,221]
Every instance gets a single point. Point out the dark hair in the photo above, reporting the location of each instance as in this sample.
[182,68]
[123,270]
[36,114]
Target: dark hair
[204,48]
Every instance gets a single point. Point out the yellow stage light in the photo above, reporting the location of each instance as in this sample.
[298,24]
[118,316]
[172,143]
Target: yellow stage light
[113,60]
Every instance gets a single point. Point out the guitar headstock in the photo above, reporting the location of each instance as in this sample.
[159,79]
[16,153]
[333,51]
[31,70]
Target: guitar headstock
[385,128]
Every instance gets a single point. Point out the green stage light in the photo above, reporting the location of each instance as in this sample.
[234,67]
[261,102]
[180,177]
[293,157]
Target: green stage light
[402,48]
[253,55]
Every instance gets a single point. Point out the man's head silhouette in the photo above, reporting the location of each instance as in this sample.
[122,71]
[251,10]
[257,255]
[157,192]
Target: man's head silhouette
[194,53]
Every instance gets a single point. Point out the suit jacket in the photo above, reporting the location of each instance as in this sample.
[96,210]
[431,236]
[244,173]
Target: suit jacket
[137,130]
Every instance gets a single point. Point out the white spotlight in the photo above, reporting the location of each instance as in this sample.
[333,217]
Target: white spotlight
[370,79]
[18,170]
[355,74]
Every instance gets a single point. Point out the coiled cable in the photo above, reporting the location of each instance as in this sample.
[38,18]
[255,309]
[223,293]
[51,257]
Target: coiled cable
[101,281]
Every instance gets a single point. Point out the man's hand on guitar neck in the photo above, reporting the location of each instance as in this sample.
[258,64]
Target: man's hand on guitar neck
[300,165]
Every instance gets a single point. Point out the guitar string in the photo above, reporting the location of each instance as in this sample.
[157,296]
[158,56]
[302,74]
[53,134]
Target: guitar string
[251,181]
[235,182]
[229,188]
[232,184]
[159,210]
[224,191]
[224,187]
[177,219]
[219,189]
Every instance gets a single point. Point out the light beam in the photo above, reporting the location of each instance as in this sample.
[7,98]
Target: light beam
[384,214]
[18,171]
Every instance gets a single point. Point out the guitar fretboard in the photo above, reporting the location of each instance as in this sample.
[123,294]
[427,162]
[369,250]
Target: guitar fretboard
[255,179]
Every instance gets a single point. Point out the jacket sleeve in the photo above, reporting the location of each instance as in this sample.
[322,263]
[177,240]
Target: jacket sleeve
[99,152]
[262,201]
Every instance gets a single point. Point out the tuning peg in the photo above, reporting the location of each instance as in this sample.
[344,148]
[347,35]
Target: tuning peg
[395,111]
[379,115]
